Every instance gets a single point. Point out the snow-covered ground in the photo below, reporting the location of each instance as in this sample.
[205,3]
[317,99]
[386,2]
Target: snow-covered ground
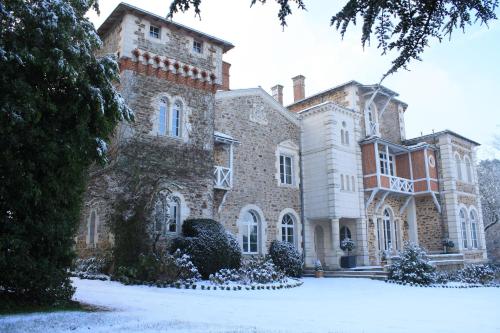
[319,305]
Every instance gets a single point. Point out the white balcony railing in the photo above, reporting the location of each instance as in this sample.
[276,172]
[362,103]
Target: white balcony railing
[401,184]
[222,177]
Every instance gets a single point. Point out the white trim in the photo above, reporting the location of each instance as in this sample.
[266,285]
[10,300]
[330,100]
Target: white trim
[262,228]
[290,149]
[297,227]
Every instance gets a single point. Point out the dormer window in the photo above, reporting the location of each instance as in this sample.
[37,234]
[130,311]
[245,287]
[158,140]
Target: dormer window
[154,31]
[197,46]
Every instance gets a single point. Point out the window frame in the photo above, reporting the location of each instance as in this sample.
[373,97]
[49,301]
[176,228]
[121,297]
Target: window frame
[176,132]
[474,228]
[248,228]
[153,33]
[283,169]
[288,229]
[462,215]
[387,164]
[175,217]
[197,46]
[458,167]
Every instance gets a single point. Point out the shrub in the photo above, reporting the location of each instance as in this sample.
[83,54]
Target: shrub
[286,257]
[482,274]
[412,266]
[225,275]
[260,270]
[209,245]
[93,265]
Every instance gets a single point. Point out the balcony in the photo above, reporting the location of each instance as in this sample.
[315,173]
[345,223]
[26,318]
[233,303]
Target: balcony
[223,178]
[223,155]
[401,184]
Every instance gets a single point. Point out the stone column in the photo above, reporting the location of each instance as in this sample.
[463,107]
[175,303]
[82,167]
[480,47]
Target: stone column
[336,251]
[362,242]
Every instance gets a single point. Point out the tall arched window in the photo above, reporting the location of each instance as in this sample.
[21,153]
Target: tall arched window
[251,226]
[92,227]
[287,229]
[345,233]
[463,226]
[176,119]
[387,229]
[458,166]
[473,229]
[163,116]
[468,169]
[167,213]
[174,220]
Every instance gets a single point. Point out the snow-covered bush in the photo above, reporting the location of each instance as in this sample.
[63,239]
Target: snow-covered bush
[482,274]
[225,275]
[412,266]
[260,270]
[286,257]
[92,265]
[209,245]
[185,270]
[347,244]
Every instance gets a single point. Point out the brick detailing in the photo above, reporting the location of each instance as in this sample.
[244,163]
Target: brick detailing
[179,77]
[299,88]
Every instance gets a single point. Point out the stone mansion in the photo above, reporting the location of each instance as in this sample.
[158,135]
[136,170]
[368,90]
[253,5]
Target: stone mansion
[330,166]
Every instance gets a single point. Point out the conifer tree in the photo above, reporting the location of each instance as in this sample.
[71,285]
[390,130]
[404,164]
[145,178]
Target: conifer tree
[58,108]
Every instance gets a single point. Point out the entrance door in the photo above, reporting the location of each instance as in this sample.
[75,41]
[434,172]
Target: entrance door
[319,244]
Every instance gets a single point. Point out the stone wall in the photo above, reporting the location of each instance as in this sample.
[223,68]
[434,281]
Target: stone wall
[429,225]
[335,95]
[255,120]
[147,161]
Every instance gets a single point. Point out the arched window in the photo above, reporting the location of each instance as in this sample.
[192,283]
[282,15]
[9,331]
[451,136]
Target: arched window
[163,116]
[176,119]
[345,233]
[468,169]
[463,226]
[342,136]
[346,137]
[458,166]
[342,182]
[167,213]
[251,226]
[287,229]
[92,228]
[473,229]
[387,229]
[174,220]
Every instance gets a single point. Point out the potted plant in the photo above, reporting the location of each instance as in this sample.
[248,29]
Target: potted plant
[318,269]
[347,261]
[448,244]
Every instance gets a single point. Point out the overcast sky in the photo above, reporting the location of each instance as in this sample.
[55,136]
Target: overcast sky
[456,86]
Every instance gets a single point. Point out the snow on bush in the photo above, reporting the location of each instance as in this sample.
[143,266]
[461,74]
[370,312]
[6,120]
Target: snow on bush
[209,245]
[93,268]
[412,267]
[224,276]
[260,270]
[476,274]
[286,257]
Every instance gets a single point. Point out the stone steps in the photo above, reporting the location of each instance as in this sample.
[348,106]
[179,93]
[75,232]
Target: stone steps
[375,274]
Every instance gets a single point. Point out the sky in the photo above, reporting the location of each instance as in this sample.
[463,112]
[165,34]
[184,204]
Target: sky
[455,86]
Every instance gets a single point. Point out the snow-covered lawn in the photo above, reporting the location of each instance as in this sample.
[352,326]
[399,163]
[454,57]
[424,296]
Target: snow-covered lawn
[319,305]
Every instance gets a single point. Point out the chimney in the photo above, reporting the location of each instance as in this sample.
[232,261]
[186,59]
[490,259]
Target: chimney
[225,75]
[299,88]
[277,92]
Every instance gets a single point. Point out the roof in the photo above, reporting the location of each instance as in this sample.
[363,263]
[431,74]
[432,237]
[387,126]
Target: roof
[437,134]
[124,8]
[386,90]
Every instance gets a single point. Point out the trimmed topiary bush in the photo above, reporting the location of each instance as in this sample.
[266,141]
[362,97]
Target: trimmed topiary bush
[482,274]
[286,257]
[412,267]
[210,247]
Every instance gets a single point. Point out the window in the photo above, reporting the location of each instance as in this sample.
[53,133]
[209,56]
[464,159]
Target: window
[386,164]
[346,137]
[162,117]
[174,220]
[473,230]
[348,186]
[287,229]
[197,46]
[458,165]
[154,31]
[463,225]
[92,227]
[353,184]
[286,170]
[468,169]
[387,229]
[345,233]
[167,213]
[176,119]
[250,232]
[344,134]
[342,182]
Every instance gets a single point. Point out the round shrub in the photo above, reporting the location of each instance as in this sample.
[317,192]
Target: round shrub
[210,247]
[286,257]
[482,274]
[412,267]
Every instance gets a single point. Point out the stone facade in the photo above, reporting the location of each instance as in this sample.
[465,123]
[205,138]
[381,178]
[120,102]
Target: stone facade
[331,166]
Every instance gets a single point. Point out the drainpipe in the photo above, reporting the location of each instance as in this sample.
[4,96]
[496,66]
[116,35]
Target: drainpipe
[301,191]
